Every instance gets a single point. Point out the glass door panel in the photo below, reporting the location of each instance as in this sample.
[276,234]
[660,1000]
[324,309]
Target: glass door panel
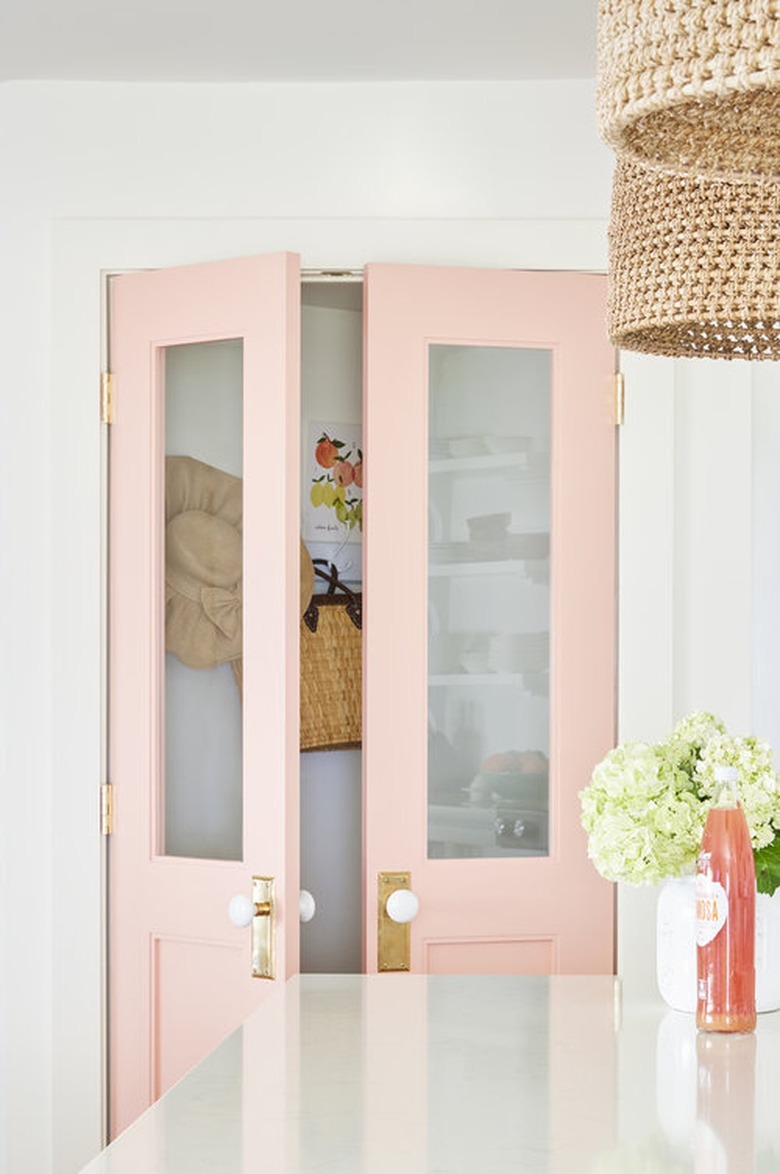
[203,600]
[488,601]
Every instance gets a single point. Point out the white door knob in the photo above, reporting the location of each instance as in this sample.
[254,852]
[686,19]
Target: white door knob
[241,910]
[402,906]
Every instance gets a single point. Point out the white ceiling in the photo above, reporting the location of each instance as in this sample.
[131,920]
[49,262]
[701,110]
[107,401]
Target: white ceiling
[296,40]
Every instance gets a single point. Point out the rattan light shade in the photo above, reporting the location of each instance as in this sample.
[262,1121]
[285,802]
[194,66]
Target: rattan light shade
[693,85]
[694,266]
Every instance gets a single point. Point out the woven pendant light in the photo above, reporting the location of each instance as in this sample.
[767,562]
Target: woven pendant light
[693,85]
[694,265]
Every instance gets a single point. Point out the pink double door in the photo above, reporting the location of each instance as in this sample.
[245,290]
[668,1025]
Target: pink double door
[489,633]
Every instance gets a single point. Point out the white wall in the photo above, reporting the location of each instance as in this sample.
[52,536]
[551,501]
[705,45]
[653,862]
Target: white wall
[120,176]
[699,569]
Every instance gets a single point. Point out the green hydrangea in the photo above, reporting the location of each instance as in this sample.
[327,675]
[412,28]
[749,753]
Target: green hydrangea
[645,807]
[696,729]
[757,781]
[643,825]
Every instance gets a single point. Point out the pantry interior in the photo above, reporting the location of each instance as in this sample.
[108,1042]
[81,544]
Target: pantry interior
[331,780]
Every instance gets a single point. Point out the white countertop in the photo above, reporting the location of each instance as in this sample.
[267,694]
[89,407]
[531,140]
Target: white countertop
[400,1074]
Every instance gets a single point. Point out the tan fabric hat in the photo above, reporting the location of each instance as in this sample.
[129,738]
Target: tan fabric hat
[307,578]
[203,564]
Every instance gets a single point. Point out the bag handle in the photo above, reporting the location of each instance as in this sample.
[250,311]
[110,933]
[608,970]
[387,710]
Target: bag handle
[352,603]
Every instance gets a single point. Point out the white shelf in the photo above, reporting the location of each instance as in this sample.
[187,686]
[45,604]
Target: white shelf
[473,827]
[476,679]
[503,566]
[506,679]
[476,464]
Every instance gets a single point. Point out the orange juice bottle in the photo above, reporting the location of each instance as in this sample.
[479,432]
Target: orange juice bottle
[726,915]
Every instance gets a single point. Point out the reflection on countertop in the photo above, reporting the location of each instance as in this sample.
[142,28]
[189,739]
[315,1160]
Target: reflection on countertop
[355,1074]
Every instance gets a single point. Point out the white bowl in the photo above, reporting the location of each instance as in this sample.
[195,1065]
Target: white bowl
[475,661]
[488,527]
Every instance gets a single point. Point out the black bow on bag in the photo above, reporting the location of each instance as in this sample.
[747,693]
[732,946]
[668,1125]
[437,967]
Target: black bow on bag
[353,603]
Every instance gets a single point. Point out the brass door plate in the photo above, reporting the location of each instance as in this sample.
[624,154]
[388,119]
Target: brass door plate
[393,939]
[263,927]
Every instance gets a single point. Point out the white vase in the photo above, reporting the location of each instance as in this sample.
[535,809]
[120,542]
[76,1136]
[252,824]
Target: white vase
[676,946]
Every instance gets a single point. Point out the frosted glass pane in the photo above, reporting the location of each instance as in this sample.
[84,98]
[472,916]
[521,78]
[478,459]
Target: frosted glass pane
[488,601]
[203,554]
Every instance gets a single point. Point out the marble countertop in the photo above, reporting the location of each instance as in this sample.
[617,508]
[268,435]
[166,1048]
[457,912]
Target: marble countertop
[382,1074]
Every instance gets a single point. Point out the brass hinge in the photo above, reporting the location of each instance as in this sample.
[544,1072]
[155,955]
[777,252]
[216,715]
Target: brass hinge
[620,398]
[106,397]
[107,809]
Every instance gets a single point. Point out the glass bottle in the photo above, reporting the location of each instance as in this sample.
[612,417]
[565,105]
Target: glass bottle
[726,915]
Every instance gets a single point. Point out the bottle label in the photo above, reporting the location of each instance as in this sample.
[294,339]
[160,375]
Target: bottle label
[712,909]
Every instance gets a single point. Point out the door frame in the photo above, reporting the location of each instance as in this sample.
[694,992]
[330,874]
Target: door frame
[81,251]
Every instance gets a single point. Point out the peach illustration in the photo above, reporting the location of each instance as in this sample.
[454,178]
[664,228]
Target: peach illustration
[326,453]
[358,474]
[344,473]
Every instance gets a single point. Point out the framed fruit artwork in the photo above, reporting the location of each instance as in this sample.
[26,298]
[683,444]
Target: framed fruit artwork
[333,483]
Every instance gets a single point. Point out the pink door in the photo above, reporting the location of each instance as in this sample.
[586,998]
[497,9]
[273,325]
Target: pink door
[204,618]
[489,632]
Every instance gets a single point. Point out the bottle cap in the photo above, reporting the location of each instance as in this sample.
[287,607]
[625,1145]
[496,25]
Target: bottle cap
[725,774]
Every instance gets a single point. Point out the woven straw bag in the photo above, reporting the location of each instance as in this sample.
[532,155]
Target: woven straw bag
[693,85]
[694,265]
[331,667]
